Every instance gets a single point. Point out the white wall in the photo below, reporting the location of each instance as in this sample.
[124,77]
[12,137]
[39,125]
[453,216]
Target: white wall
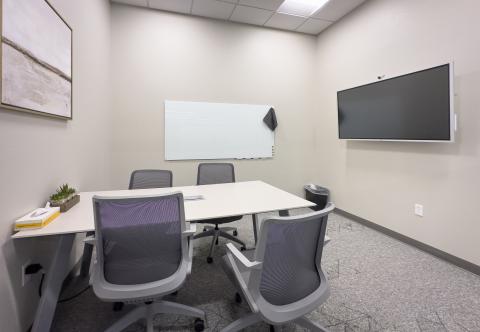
[158,56]
[381,181]
[77,153]
[150,56]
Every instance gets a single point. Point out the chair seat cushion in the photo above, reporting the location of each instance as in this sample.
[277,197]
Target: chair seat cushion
[218,221]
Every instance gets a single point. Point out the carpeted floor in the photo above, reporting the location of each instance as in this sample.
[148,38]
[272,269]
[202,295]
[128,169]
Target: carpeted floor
[377,284]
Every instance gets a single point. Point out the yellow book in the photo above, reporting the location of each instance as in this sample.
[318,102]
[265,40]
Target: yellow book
[37,218]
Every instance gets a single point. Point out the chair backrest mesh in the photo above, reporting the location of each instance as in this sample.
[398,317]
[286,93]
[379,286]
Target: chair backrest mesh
[290,263]
[141,238]
[213,173]
[150,178]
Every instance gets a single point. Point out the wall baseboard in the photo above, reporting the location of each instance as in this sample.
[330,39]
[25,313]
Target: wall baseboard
[461,263]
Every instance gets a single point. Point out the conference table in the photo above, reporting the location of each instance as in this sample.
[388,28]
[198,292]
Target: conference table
[217,200]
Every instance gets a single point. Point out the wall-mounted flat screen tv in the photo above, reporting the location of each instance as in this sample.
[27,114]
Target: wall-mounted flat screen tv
[412,107]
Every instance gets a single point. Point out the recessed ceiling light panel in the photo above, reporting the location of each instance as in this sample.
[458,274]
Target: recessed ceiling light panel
[301,7]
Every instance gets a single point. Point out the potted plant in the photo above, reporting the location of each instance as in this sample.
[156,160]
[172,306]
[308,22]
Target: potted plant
[65,197]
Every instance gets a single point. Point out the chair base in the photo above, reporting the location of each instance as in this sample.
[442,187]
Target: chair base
[217,233]
[254,318]
[148,312]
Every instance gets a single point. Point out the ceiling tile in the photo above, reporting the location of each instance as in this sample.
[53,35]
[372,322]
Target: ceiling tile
[257,12]
[142,3]
[180,6]
[250,15]
[212,8]
[264,4]
[313,26]
[285,22]
[335,9]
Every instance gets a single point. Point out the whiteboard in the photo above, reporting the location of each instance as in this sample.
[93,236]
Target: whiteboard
[197,130]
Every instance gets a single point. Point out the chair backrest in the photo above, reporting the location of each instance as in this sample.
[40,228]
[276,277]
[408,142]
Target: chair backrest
[213,173]
[150,178]
[139,239]
[291,251]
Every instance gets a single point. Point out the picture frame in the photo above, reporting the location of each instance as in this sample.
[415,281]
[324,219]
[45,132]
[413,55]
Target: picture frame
[36,59]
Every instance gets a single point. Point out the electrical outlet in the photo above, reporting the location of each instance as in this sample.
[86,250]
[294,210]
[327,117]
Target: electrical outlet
[26,277]
[419,210]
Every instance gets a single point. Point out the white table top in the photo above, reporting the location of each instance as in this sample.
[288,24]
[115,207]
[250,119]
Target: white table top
[220,200]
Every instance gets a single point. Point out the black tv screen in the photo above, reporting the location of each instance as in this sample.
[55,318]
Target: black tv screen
[415,107]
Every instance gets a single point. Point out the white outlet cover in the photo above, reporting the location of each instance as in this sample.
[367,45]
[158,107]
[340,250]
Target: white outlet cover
[419,210]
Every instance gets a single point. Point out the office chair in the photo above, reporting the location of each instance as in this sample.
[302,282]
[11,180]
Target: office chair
[144,252]
[214,173]
[284,281]
[145,179]
[150,178]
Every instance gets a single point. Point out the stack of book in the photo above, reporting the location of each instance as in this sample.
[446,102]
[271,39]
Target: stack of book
[37,219]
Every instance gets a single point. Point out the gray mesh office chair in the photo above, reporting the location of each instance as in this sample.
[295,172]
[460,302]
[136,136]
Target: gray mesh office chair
[215,173]
[284,281]
[150,178]
[146,179]
[144,252]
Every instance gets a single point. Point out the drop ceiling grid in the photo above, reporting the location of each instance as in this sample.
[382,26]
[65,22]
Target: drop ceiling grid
[266,12]
[272,14]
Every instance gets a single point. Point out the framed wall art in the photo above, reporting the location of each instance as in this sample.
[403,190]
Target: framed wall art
[36,59]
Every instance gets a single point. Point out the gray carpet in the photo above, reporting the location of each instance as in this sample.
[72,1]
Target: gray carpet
[377,284]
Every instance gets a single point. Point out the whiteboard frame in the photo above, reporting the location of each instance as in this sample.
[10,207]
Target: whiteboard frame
[259,152]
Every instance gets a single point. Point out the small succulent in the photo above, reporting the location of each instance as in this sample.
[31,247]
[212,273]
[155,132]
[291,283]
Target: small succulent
[62,193]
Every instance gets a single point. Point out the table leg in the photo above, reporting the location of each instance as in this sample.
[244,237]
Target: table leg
[53,283]
[255,228]
[86,258]
[283,213]
[79,283]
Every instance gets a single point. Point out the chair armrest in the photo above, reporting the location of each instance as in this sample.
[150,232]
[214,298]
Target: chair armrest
[190,255]
[189,233]
[242,259]
[89,240]
[241,283]
[190,230]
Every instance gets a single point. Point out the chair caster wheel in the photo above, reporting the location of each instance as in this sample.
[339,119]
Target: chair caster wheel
[117,306]
[272,328]
[209,260]
[199,325]
[243,249]
[235,233]
[204,229]
[175,293]
[238,298]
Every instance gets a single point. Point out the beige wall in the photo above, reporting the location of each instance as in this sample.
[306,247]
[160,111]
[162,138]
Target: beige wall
[77,153]
[381,181]
[158,56]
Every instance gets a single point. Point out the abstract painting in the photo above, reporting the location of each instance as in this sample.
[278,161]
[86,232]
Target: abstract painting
[36,59]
